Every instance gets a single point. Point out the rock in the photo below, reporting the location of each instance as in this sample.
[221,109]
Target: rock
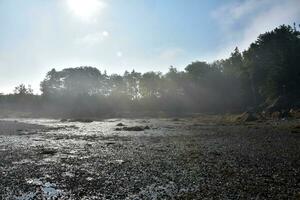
[276,115]
[247,117]
[295,129]
[285,114]
[280,114]
[295,113]
[81,120]
[110,143]
[133,128]
[146,127]
[120,124]
[48,151]
[278,104]
[63,120]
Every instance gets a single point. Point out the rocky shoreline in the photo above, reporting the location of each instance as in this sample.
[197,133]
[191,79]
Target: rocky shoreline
[174,159]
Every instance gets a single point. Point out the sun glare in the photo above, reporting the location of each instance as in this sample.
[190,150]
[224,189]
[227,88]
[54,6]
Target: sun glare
[85,9]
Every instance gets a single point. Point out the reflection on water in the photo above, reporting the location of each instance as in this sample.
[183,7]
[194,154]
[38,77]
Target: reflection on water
[78,149]
[43,191]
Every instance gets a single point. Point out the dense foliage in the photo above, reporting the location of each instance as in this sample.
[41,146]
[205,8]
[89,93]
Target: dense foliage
[268,69]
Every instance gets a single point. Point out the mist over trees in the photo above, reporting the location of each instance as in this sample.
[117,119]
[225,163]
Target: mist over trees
[268,69]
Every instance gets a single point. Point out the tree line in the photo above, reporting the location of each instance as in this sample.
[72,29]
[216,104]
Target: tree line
[252,79]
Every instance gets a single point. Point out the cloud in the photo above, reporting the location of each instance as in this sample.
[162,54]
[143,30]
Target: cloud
[241,23]
[229,13]
[92,38]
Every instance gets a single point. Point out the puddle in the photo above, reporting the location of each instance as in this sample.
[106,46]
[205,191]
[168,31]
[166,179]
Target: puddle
[44,191]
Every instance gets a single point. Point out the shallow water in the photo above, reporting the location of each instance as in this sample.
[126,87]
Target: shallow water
[61,141]
[107,127]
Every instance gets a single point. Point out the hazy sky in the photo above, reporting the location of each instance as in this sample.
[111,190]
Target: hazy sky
[37,35]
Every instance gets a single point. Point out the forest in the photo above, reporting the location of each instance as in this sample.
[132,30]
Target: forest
[268,71]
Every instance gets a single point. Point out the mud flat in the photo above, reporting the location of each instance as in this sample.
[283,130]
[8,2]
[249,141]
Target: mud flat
[186,158]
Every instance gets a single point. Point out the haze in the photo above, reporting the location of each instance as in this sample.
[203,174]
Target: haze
[119,35]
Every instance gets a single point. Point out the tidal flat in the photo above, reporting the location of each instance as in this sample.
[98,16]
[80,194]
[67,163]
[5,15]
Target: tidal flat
[182,158]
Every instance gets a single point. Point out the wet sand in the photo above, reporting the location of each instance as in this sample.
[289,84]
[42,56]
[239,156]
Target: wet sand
[175,159]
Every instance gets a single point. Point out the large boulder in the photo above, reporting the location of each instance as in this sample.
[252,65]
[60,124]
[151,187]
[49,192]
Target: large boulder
[278,104]
[295,113]
[246,117]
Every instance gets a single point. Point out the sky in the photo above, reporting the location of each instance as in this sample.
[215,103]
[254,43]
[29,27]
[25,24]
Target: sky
[119,35]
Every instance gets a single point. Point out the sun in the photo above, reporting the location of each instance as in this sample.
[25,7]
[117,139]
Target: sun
[85,9]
